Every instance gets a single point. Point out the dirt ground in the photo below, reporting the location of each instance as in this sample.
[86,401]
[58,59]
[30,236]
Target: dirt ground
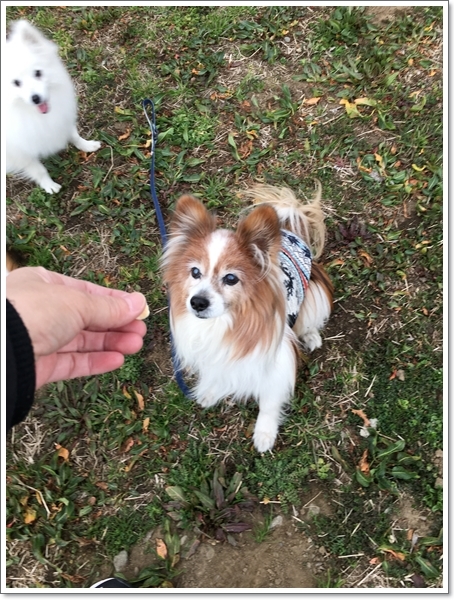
[286,558]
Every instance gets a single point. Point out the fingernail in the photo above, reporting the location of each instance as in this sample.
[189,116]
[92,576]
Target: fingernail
[136,301]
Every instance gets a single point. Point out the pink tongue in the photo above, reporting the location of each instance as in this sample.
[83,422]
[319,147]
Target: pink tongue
[43,107]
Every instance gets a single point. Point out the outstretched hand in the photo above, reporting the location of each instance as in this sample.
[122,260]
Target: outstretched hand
[76,327]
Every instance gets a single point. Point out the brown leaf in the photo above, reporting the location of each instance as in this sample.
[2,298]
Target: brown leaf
[62,452]
[125,135]
[364,466]
[312,101]
[366,256]
[145,424]
[102,485]
[29,515]
[127,445]
[374,560]
[140,400]
[362,415]
[394,553]
[126,393]
[161,549]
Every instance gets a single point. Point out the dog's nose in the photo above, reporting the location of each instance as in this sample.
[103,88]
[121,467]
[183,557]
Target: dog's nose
[36,99]
[199,303]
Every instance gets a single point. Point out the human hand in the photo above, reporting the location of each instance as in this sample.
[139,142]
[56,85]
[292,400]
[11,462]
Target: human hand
[77,328]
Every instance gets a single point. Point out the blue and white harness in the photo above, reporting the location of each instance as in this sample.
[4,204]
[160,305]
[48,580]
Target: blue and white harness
[295,262]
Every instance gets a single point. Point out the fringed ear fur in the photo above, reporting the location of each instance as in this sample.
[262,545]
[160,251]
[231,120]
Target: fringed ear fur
[191,218]
[260,233]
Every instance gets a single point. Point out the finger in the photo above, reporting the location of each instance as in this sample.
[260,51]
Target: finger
[114,300]
[58,367]
[108,341]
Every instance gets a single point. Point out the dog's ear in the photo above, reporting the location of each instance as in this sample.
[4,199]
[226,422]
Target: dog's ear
[31,36]
[260,232]
[191,218]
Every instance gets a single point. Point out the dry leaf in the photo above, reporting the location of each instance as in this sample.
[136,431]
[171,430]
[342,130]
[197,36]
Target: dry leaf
[140,400]
[366,256]
[398,555]
[127,445]
[29,515]
[145,424]
[125,135]
[374,560]
[102,485]
[161,549]
[312,101]
[362,415]
[364,465]
[126,394]
[62,452]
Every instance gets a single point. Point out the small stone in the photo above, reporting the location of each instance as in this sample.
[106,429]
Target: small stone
[322,550]
[209,552]
[313,510]
[287,39]
[121,560]
[277,522]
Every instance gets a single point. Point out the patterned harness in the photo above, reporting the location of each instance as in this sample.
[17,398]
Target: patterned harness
[295,262]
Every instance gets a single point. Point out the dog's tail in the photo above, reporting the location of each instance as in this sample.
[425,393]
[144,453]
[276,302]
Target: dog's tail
[305,220]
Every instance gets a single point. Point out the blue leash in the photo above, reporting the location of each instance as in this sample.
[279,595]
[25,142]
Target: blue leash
[148,105]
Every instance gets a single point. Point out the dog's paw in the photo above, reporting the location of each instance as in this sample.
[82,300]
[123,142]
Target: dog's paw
[207,401]
[51,187]
[265,433]
[312,340]
[91,146]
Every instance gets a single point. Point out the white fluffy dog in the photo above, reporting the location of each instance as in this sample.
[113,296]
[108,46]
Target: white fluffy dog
[41,106]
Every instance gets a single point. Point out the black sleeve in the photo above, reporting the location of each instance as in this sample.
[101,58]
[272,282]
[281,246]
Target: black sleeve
[20,368]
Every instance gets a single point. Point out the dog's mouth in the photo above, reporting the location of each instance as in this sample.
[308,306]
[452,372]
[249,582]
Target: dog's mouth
[43,107]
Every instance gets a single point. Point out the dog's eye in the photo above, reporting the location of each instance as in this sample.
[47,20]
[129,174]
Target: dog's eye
[195,273]
[38,74]
[230,279]
[17,83]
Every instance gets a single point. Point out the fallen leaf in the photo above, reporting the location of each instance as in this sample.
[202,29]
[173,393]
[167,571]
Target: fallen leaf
[425,311]
[362,415]
[29,515]
[102,485]
[409,534]
[161,549]
[351,108]
[145,424]
[366,256]
[418,169]
[127,445]
[140,400]
[394,374]
[312,101]
[364,465]
[379,160]
[374,560]
[126,393]
[365,101]
[73,578]
[62,452]
[125,135]
[394,553]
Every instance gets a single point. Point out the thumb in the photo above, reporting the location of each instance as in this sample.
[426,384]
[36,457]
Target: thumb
[102,312]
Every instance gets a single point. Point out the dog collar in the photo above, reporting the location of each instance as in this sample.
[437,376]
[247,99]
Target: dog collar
[295,262]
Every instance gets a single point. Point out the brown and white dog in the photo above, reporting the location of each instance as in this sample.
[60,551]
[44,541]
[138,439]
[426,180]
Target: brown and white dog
[240,300]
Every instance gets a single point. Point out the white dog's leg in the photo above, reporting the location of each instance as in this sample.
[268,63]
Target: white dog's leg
[37,172]
[266,428]
[84,145]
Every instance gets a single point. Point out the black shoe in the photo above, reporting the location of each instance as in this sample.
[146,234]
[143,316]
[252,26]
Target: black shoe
[111,582]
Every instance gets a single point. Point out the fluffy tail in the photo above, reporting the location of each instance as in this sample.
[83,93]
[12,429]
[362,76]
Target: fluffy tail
[305,220]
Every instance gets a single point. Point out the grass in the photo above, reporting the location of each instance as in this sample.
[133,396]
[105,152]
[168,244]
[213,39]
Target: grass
[274,94]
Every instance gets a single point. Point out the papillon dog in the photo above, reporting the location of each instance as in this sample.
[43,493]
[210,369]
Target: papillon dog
[241,300]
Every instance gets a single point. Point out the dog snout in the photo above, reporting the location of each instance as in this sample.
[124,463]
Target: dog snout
[199,303]
[36,99]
